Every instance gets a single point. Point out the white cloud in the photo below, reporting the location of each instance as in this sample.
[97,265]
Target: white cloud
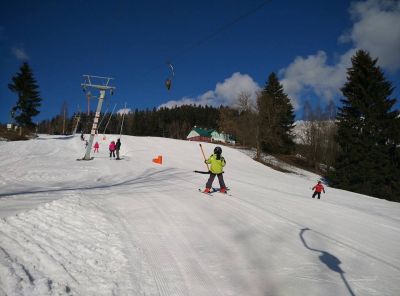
[124,111]
[314,75]
[225,93]
[376,29]
[173,103]
[19,53]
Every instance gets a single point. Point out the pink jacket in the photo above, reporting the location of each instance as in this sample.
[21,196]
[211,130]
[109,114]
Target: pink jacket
[112,146]
[96,145]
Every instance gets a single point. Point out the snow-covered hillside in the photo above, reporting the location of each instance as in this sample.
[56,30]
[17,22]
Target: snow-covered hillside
[133,227]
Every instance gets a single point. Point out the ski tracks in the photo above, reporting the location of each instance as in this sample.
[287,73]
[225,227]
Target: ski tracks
[65,247]
[196,276]
[262,218]
[170,266]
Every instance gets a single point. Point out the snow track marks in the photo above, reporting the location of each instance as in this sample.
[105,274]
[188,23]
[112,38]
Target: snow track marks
[65,247]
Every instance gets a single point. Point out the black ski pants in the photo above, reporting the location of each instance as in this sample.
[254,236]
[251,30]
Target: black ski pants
[112,152]
[211,180]
[316,193]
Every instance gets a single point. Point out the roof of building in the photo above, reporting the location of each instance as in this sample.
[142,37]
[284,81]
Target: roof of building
[203,132]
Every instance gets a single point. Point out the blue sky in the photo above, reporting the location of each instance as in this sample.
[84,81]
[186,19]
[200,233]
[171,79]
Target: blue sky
[308,43]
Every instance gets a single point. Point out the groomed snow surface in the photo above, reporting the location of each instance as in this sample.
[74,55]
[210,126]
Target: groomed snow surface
[133,227]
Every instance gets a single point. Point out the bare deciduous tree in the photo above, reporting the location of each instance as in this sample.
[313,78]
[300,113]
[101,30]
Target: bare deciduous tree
[317,142]
[240,121]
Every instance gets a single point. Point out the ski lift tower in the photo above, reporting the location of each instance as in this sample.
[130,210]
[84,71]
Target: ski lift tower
[102,84]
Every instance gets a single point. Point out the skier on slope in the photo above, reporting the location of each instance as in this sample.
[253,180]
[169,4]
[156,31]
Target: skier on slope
[118,147]
[96,147]
[217,164]
[111,147]
[318,188]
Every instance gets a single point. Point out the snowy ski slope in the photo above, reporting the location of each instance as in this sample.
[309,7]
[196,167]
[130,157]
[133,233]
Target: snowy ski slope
[133,227]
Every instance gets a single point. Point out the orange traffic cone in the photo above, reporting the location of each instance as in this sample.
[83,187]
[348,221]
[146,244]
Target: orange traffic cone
[158,159]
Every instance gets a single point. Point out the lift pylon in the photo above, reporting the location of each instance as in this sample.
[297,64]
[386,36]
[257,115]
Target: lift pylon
[102,84]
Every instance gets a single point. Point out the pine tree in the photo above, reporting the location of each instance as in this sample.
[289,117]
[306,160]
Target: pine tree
[276,118]
[368,133]
[25,86]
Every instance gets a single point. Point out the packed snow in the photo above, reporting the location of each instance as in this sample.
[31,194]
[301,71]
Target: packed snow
[134,227]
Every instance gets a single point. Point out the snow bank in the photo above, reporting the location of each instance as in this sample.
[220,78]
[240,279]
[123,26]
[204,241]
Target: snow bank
[62,247]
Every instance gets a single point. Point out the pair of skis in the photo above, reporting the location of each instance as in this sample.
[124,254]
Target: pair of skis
[213,190]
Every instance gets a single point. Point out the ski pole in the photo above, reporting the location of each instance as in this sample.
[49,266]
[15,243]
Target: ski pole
[102,119]
[201,147]
[122,124]
[109,120]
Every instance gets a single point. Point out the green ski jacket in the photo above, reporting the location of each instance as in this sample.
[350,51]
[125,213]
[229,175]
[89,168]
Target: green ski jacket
[217,165]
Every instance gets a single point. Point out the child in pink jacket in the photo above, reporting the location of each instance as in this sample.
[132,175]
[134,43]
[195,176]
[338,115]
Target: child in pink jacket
[96,147]
[112,149]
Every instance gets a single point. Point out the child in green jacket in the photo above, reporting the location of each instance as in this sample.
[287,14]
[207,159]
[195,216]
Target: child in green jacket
[216,169]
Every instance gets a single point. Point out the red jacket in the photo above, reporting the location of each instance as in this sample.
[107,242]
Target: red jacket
[319,188]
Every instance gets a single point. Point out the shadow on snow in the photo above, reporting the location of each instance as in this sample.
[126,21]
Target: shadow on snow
[331,261]
[148,177]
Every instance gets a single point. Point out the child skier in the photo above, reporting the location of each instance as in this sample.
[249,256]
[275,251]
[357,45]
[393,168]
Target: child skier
[318,188]
[96,147]
[217,164]
[112,149]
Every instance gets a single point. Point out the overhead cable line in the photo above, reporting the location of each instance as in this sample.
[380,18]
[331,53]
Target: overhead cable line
[221,29]
[207,38]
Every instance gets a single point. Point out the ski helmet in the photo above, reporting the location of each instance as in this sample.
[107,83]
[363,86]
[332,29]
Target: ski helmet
[217,150]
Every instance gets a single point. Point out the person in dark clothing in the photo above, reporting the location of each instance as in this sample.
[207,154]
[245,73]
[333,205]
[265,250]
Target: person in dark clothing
[318,188]
[117,147]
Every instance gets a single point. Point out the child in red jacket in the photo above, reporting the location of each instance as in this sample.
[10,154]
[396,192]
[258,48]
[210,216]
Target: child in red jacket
[318,188]
[96,147]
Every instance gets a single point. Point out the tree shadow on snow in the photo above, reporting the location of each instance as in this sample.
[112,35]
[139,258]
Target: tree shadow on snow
[331,261]
[56,138]
[148,177]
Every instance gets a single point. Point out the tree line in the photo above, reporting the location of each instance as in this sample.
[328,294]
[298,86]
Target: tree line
[173,123]
[355,147]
